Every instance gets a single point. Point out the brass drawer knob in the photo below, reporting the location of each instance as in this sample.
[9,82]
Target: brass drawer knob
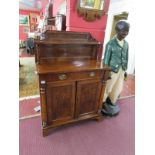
[62,77]
[92,74]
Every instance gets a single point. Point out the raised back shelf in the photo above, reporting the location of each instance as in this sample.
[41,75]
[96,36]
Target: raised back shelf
[65,46]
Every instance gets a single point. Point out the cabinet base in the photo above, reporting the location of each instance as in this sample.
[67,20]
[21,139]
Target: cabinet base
[48,130]
[98,118]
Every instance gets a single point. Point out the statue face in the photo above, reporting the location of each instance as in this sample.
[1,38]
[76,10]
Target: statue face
[121,34]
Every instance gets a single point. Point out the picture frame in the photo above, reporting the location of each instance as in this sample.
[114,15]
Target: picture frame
[92,4]
[34,18]
[89,4]
[91,10]
[26,30]
[24,20]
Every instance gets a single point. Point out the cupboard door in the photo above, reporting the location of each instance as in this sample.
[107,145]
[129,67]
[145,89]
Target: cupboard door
[88,97]
[60,99]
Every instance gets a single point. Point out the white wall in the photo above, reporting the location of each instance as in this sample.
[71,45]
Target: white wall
[117,7]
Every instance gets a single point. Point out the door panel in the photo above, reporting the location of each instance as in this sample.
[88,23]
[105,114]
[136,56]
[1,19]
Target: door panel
[88,95]
[60,101]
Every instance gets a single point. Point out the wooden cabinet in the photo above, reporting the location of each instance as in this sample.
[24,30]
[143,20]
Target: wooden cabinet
[71,79]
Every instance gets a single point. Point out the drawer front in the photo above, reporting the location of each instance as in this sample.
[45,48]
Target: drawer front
[74,76]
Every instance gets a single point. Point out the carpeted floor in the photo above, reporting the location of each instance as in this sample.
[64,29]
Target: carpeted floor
[28,79]
[111,136]
[23,53]
[26,107]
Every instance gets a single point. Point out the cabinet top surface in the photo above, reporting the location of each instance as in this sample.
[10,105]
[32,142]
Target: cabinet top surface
[71,66]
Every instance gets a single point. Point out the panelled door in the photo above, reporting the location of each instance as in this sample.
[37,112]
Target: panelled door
[87,97]
[60,98]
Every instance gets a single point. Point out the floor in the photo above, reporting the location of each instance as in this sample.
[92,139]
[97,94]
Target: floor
[28,79]
[110,136]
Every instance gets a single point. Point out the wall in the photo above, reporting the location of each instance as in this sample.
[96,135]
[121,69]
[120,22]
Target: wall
[22,35]
[115,8]
[76,23]
[56,6]
[44,4]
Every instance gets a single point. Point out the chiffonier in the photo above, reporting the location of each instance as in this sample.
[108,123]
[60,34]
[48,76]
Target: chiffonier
[71,78]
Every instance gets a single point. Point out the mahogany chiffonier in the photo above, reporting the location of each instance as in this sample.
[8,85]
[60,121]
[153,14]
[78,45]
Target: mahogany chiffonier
[71,78]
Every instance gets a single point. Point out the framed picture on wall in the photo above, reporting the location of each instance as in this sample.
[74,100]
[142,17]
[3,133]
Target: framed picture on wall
[34,18]
[24,20]
[92,4]
[26,30]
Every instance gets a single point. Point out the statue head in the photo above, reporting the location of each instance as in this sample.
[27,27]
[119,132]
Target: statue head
[122,29]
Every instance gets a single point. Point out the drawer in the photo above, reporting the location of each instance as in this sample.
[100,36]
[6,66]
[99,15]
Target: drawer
[74,76]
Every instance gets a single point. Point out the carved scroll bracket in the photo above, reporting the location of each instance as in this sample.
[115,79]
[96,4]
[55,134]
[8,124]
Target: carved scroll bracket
[91,11]
[90,15]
